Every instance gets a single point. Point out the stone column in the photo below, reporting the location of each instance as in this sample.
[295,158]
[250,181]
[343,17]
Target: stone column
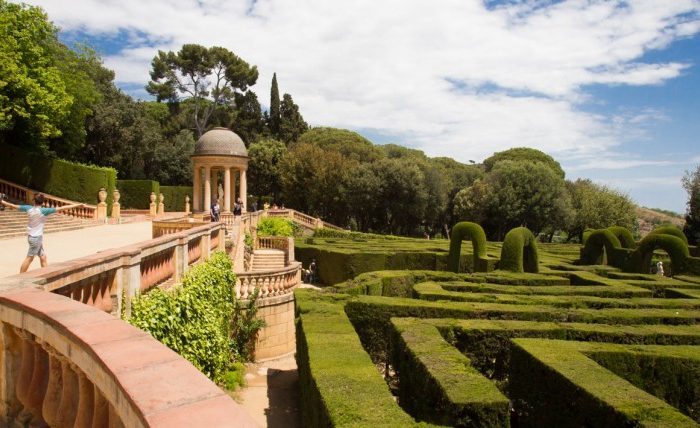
[196,188]
[227,190]
[214,185]
[207,189]
[243,190]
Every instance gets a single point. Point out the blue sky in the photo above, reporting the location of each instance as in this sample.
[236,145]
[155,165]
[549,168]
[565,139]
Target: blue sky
[609,88]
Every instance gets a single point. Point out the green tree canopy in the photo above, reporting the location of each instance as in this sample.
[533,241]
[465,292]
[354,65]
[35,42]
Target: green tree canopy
[249,124]
[598,207]
[348,143]
[209,76]
[264,167]
[691,184]
[292,124]
[523,154]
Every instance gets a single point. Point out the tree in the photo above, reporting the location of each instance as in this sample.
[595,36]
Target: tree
[292,124]
[691,184]
[249,123]
[350,144]
[523,154]
[208,76]
[264,167]
[34,100]
[597,207]
[275,114]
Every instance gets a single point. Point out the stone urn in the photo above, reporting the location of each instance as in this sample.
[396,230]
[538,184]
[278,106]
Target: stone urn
[153,197]
[160,198]
[116,195]
[102,195]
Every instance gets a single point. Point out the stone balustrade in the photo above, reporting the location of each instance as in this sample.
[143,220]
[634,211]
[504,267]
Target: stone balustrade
[173,225]
[109,279]
[271,283]
[304,220]
[26,195]
[66,364]
[282,243]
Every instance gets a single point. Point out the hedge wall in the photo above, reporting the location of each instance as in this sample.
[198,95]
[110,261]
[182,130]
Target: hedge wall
[135,194]
[57,177]
[670,230]
[519,251]
[175,197]
[474,233]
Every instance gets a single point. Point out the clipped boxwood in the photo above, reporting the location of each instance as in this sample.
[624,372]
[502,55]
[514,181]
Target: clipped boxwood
[69,180]
[174,197]
[135,194]
[519,251]
[640,261]
[194,319]
[624,236]
[670,230]
[471,231]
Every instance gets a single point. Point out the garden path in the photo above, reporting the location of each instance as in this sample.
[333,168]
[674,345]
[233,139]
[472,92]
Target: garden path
[68,245]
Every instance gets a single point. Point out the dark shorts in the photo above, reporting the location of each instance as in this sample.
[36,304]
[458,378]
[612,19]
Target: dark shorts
[36,246]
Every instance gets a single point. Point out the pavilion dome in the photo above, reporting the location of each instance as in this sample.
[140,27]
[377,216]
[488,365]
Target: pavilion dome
[220,142]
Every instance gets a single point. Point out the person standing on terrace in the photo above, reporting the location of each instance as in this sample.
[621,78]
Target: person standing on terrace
[35,227]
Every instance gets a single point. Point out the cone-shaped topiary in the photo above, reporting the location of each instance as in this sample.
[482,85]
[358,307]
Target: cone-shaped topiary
[670,230]
[624,236]
[519,251]
[473,232]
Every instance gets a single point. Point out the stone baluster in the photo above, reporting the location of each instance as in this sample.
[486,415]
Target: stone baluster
[100,410]
[237,288]
[51,406]
[86,406]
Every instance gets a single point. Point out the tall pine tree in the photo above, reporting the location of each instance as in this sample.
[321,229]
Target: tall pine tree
[274,107]
[292,124]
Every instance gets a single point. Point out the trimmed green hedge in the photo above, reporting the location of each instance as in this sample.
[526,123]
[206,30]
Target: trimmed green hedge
[640,261]
[339,385]
[474,233]
[624,236]
[670,230]
[174,197]
[572,390]
[57,177]
[438,383]
[135,194]
[592,252]
[519,251]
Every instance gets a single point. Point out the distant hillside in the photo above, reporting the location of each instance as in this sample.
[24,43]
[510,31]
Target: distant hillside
[648,218]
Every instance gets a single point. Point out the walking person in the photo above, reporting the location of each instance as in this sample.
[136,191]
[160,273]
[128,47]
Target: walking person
[313,272]
[35,227]
[238,207]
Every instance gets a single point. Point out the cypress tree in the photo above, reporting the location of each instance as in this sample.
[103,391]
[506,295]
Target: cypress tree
[274,107]
[292,124]
[691,183]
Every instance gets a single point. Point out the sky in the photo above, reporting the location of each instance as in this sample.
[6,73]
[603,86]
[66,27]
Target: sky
[611,89]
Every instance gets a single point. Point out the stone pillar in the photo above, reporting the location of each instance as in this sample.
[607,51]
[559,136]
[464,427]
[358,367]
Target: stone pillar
[187,204]
[196,189]
[153,208]
[207,189]
[214,185]
[227,190]
[102,205]
[116,206]
[243,190]
[161,204]
[181,258]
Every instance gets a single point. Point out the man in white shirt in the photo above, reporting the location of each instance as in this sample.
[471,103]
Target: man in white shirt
[35,227]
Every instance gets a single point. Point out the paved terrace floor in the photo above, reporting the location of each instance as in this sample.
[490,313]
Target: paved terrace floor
[63,246]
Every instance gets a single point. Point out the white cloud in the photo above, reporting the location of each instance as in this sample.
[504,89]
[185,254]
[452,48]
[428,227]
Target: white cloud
[383,65]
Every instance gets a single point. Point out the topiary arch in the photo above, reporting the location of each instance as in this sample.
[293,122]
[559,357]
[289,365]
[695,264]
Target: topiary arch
[474,232]
[624,236]
[670,230]
[675,247]
[592,252]
[519,251]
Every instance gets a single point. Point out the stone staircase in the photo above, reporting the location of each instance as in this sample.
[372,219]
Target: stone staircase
[13,223]
[267,259]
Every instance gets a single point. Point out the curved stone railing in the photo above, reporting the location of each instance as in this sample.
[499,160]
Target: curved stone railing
[304,220]
[66,364]
[109,279]
[173,225]
[26,195]
[271,283]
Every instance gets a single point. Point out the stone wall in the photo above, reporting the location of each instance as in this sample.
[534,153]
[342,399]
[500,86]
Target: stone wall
[277,338]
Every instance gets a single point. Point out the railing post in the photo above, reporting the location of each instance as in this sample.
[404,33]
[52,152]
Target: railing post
[131,282]
[206,245]
[290,250]
[181,257]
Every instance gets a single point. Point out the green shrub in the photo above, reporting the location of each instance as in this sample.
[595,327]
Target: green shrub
[519,251]
[670,230]
[624,236]
[57,177]
[194,319]
[235,377]
[135,194]
[473,232]
[174,197]
[246,326]
[275,226]
[640,261]
[592,252]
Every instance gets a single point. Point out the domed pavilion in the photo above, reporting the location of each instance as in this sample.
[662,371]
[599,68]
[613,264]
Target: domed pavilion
[219,156]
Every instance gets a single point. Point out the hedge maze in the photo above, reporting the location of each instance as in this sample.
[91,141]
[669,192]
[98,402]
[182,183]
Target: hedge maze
[558,343]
